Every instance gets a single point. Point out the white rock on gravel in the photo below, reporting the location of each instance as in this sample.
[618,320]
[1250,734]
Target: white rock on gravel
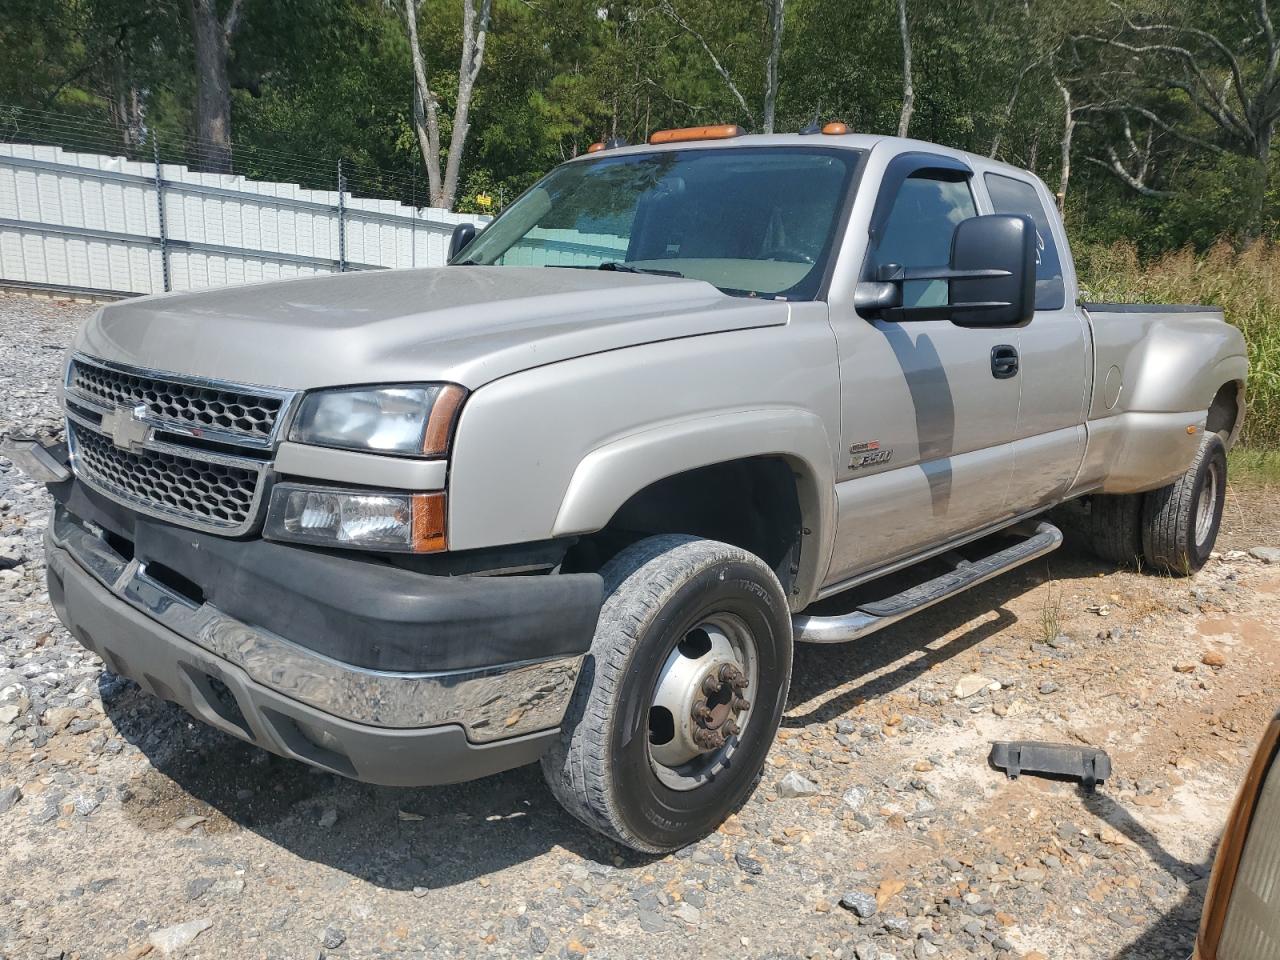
[855,797]
[688,913]
[970,684]
[172,939]
[796,785]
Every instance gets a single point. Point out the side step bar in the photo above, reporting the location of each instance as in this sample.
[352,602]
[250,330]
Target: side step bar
[873,616]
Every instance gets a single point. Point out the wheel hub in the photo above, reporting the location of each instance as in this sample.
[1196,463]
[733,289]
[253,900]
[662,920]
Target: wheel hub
[714,715]
[699,710]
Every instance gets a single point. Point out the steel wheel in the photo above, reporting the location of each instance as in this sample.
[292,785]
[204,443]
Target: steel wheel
[701,703]
[1206,504]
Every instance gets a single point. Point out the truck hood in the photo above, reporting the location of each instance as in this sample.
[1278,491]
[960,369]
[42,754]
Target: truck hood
[467,325]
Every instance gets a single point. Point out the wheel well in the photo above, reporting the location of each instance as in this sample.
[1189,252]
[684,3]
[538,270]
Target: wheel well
[1224,412]
[751,503]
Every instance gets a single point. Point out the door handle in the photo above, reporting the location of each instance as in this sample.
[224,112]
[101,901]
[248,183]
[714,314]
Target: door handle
[1004,361]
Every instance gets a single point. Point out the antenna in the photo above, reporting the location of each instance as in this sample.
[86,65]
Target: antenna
[812,126]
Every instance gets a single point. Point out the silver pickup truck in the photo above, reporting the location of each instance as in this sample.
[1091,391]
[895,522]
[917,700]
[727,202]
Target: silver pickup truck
[573,497]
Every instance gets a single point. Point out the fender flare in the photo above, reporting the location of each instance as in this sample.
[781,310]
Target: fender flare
[1176,370]
[612,473]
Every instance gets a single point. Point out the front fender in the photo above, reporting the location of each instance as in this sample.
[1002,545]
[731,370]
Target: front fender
[611,474]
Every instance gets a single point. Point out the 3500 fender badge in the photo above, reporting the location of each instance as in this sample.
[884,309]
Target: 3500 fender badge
[868,454]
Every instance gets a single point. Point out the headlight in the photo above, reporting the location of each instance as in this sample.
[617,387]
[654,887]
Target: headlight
[361,520]
[413,421]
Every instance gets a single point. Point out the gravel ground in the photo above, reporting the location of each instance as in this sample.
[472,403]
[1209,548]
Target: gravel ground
[878,830]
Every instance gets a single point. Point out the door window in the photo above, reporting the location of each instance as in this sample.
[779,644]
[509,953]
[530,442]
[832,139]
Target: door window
[1010,195]
[918,231]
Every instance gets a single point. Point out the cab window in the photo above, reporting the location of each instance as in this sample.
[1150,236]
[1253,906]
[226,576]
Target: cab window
[917,232]
[1010,195]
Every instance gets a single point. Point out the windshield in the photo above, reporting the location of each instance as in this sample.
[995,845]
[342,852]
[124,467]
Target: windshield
[752,221]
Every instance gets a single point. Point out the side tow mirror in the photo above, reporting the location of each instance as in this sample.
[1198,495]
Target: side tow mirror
[991,279]
[463,234]
[993,259]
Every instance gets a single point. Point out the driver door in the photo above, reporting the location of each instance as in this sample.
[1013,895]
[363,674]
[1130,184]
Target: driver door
[926,423]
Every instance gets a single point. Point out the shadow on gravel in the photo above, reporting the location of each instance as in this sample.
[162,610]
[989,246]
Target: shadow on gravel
[1172,936]
[819,668]
[1169,938]
[396,838]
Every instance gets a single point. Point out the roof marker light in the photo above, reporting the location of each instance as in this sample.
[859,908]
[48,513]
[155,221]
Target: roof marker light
[722,131]
[835,128]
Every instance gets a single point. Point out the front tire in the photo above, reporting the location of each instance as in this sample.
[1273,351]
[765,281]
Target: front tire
[1180,522]
[680,696]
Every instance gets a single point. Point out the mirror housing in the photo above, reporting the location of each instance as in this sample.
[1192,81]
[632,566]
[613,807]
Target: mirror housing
[991,277]
[1001,242]
[463,234]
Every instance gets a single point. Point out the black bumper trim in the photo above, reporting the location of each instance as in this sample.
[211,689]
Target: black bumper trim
[358,610]
[223,696]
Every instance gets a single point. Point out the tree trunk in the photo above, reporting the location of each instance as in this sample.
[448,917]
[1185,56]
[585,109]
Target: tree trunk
[426,117]
[1068,132]
[908,88]
[475,30]
[775,9]
[1257,191]
[212,38]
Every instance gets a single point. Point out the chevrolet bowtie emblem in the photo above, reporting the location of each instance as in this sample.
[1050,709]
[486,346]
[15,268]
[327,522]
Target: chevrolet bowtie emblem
[126,428]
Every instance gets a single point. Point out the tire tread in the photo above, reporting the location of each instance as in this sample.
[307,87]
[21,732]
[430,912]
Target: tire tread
[1168,517]
[637,583]
[1115,527]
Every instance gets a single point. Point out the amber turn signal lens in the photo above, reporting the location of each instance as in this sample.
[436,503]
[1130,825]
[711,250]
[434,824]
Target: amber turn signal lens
[721,131]
[835,128]
[429,523]
[444,413]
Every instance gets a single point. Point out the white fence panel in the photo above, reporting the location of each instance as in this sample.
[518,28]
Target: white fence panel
[87,222]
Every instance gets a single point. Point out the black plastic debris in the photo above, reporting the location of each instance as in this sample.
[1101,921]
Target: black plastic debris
[1087,764]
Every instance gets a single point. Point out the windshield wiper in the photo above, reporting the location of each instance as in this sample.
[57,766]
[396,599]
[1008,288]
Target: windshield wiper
[618,266]
[621,267]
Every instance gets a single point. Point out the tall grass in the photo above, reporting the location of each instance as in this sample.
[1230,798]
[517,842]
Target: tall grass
[1245,283]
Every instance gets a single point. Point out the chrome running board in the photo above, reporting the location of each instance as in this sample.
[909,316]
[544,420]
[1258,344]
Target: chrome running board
[872,616]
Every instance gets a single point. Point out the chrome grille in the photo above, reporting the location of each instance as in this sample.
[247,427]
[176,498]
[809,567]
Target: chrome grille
[199,492]
[185,449]
[239,414]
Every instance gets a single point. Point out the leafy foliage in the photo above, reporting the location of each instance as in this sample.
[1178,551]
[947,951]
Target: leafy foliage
[314,80]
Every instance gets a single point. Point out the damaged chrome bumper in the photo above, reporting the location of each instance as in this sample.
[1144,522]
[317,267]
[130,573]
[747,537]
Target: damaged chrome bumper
[490,703]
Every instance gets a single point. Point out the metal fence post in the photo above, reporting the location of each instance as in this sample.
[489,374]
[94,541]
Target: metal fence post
[164,230]
[342,224]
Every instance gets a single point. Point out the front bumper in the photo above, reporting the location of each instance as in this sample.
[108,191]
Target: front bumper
[398,728]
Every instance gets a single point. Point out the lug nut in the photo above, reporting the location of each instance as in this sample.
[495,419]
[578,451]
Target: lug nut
[731,675]
[710,685]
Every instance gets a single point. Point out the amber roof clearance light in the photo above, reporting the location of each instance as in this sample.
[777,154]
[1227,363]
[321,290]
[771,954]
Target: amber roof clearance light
[835,128]
[722,131]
